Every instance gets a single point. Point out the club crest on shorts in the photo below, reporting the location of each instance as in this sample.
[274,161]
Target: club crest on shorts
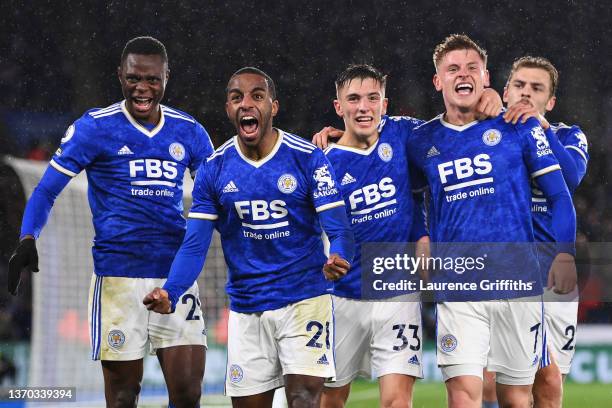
[287,183]
[235,373]
[116,338]
[385,152]
[491,137]
[448,343]
[177,151]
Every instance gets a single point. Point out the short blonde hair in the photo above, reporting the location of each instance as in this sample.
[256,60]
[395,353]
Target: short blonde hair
[537,62]
[457,42]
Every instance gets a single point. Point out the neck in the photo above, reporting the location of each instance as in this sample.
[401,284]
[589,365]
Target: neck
[359,142]
[263,148]
[460,116]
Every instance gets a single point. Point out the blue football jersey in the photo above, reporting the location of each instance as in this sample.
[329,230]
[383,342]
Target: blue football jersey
[574,139]
[266,213]
[479,177]
[375,184]
[135,178]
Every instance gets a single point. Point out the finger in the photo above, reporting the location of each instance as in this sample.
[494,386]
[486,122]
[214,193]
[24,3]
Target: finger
[550,282]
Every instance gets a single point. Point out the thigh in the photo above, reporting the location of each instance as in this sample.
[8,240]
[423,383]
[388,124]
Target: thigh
[122,382]
[516,340]
[117,319]
[561,318]
[252,358]
[183,367]
[305,337]
[183,327]
[353,335]
[397,340]
[463,333]
[303,390]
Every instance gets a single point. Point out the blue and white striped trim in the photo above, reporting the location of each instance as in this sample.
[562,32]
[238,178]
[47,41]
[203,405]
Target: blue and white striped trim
[61,169]
[110,113]
[108,109]
[175,114]
[299,141]
[328,206]
[293,146]
[579,150]
[203,216]
[545,358]
[545,170]
[221,149]
[96,319]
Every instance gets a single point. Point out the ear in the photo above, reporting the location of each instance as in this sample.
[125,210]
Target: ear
[338,108]
[227,110]
[505,95]
[485,78]
[119,72]
[384,107]
[551,103]
[167,74]
[275,107]
[437,82]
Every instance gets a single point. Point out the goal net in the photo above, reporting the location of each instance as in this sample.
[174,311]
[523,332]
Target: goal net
[60,351]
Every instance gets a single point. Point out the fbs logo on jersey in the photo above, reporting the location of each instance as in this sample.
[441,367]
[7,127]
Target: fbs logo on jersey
[432,152]
[347,179]
[124,151]
[230,187]
[323,360]
[385,152]
[491,137]
[373,194]
[325,182]
[541,141]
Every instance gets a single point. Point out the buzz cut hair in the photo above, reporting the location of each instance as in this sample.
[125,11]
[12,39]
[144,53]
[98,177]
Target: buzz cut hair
[457,42]
[144,46]
[256,71]
[360,71]
[537,62]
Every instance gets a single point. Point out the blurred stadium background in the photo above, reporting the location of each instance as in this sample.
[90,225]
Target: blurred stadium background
[59,61]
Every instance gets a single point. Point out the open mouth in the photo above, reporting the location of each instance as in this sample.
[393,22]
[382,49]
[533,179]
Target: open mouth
[249,125]
[464,88]
[142,104]
[364,120]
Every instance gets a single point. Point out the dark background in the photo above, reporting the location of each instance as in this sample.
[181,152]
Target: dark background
[59,59]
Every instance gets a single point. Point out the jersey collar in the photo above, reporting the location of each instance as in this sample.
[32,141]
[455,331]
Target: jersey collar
[455,127]
[138,126]
[363,152]
[260,162]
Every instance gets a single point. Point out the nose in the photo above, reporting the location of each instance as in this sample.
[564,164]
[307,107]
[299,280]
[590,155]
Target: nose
[363,105]
[246,102]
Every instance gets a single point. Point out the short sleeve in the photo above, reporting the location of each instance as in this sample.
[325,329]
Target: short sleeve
[204,205]
[324,187]
[78,148]
[537,153]
[203,147]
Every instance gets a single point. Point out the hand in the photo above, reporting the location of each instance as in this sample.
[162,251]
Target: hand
[490,104]
[524,110]
[562,275]
[24,257]
[335,267]
[329,132]
[423,252]
[158,301]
